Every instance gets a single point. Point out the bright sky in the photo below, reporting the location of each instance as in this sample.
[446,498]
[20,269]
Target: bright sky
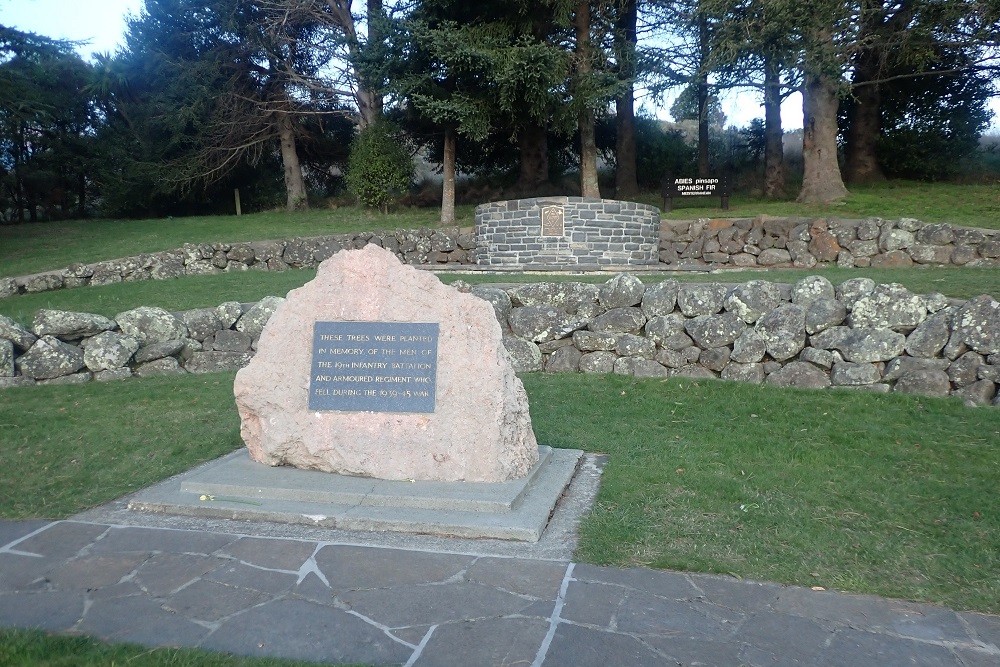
[102,22]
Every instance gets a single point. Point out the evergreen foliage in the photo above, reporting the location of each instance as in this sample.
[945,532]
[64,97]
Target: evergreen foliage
[380,167]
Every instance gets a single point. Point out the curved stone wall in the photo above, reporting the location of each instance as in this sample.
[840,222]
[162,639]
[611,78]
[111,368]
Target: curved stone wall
[566,231]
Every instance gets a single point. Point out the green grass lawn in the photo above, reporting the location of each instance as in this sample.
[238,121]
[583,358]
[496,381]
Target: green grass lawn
[37,649]
[884,494]
[43,246]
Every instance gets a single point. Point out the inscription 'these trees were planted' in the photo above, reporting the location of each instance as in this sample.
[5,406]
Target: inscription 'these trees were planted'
[374,366]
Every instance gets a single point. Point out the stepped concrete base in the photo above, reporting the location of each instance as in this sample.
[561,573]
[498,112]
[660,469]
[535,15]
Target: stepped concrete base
[235,487]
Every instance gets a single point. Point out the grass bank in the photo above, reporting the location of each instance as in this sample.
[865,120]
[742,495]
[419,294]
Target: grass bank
[203,291]
[882,494]
[967,205]
[36,247]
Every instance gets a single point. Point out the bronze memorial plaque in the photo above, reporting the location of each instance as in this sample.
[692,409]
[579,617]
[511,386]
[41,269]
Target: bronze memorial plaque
[552,221]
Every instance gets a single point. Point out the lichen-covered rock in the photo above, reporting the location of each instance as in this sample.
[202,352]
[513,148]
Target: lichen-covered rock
[524,355]
[630,345]
[715,359]
[497,298]
[50,358]
[923,381]
[752,373]
[851,291]
[666,329]
[540,324]
[228,313]
[965,370]
[252,322]
[202,322]
[639,367]
[590,341]
[600,361]
[980,392]
[900,366]
[939,234]
[799,374]
[15,333]
[231,341]
[810,288]
[66,324]
[895,239]
[701,299]
[710,331]
[822,358]
[619,321]
[43,282]
[214,362]
[869,345]
[749,348]
[848,374]
[564,360]
[823,313]
[109,350]
[164,366]
[930,336]
[660,299]
[895,259]
[6,358]
[569,296]
[8,287]
[890,306]
[751,300]
[679,358]
[783,331]
[774,256]
[151,325]
[622,291]
[154,351]
[976,324]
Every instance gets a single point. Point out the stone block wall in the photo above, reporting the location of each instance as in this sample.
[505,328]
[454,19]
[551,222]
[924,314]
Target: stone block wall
[413,246]
[804,243]
[589,232]
[859,335]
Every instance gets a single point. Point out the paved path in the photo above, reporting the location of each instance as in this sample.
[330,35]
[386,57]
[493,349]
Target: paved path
[337,602]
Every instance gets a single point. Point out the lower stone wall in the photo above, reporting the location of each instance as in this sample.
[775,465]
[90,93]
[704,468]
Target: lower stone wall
[807,242]
[858,335]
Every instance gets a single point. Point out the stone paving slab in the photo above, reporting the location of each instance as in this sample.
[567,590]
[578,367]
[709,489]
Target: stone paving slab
[334,602]
[234,487]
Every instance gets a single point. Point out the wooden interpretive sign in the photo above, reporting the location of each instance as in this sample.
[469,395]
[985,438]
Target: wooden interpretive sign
[553,221]
[374,366]
[694,187]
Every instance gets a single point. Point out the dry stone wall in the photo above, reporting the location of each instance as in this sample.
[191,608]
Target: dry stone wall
[805,243]
[414,246]
[811,334]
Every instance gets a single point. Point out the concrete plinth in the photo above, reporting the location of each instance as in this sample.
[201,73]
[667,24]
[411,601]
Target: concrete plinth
[236,487]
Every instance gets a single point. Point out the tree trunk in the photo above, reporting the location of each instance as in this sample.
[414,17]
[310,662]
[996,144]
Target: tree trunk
[295,187]
[81,196]
[626,177]
[367,98]
[532,144]
[585,119]
[774,155]
[864,127]
[704,168]
[821,180]
[448,185]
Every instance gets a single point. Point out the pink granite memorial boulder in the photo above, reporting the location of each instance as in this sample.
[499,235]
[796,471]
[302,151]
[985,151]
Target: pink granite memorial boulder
[477,428]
